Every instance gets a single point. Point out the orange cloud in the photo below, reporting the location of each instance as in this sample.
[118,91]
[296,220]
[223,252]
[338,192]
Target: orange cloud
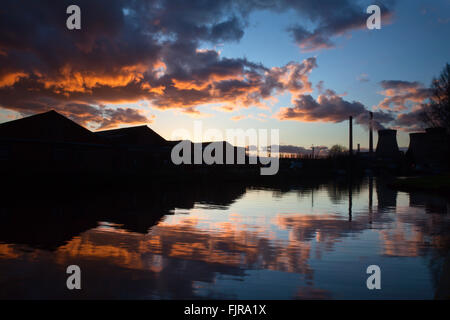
[10,79]
[237,118]
[399,93]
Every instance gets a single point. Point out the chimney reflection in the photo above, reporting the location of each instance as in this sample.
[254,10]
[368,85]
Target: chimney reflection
[350,204]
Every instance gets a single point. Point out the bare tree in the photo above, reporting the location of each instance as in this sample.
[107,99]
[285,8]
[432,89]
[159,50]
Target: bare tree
[437,112]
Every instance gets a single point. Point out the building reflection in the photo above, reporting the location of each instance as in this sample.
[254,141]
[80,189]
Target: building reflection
[387,197]
[133,237]
[431,203]
[48,222]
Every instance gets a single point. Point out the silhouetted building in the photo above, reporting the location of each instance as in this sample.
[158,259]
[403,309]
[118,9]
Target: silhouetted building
[387,147]
[137,148]
[417,151]
[134,136]
[51,142]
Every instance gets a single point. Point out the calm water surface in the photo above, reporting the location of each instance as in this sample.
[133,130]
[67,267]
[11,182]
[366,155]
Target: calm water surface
[228,242]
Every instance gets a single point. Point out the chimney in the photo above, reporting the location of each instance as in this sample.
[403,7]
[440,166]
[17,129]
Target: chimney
[387,146]
[371,133]
[350,138]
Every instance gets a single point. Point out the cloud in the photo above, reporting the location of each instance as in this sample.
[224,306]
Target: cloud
[398,94]
[113,117]
[410,121]
[97,117]
[330,107]
[363,77]
[332,19]
[134,51]
[310,41]
[301,150]
[131,51]
[194,113]
[237,118]
[406,99]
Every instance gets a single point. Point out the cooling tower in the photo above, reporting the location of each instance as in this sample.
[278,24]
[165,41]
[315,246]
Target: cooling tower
[429,149]
[438,147]
[387,146]
[418,147]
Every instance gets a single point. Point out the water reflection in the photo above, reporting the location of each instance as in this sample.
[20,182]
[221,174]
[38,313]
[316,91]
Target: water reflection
[313,240]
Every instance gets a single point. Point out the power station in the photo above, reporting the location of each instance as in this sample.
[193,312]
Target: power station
[429,149]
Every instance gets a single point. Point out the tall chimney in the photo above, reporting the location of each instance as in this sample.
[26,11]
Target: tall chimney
[350,136]
[371,133]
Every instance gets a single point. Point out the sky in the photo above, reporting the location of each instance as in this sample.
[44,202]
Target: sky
[302,67]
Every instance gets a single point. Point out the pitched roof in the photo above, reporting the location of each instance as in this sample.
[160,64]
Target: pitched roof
[48,127]
[139,135]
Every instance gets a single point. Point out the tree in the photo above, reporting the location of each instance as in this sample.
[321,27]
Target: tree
[337,150]
[436,113]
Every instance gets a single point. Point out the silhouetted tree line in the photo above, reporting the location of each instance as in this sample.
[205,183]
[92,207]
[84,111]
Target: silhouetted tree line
[337,150]
[437,112]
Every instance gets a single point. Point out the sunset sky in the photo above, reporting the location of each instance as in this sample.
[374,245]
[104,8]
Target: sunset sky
[298,66]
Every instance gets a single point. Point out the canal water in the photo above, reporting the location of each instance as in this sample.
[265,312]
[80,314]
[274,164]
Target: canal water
[313,240]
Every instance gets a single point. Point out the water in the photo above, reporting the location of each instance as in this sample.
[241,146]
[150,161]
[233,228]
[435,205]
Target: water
[312,240]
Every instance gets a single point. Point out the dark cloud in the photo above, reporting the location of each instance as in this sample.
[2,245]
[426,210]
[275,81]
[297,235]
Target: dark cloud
[310,41]
[330,107]
[407,99]
[301,150]
[332,18]
[127,51]
[228,30]
[106,117]
[400,84]
[380,119]
[113,117]
[410,121]
[399,100]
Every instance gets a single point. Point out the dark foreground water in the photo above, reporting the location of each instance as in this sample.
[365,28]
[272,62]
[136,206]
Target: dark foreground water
[313,240]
